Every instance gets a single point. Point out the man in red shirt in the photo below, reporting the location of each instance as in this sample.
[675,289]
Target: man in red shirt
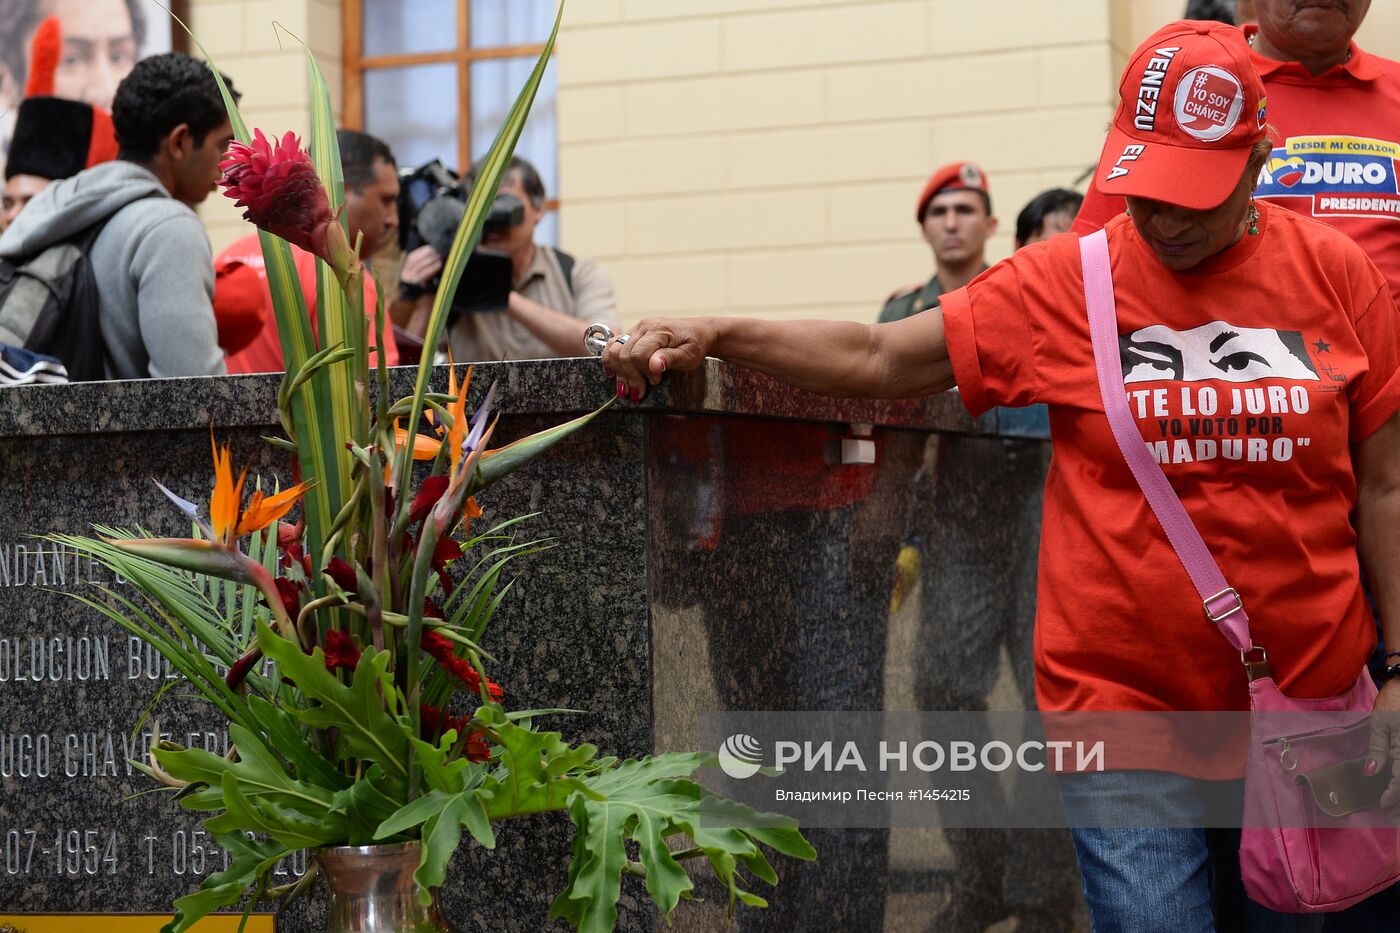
[371,208]
[1335,113]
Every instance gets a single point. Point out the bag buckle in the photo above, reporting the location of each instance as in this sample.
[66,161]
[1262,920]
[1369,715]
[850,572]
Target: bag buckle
[1256,667]
[1237,607]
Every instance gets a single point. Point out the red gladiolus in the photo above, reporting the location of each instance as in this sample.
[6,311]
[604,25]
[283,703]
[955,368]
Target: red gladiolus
[343,575]
[478,748]
[444,552]
[291,596]
[277,184]
[435,721]
[427,496]
[241,667]
[443,650]
[341,650]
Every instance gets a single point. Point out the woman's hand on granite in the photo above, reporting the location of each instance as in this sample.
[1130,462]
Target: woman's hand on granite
[653,346]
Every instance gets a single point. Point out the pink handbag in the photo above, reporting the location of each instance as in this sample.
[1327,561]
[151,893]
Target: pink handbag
[1314,838]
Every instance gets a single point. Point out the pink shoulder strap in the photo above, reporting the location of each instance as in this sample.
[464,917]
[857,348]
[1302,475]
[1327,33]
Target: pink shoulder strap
[1222,603]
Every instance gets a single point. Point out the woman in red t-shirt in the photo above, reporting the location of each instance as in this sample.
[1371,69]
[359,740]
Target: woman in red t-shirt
[1261,360]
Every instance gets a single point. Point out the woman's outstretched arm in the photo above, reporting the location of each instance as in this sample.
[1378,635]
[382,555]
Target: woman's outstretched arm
[844,359]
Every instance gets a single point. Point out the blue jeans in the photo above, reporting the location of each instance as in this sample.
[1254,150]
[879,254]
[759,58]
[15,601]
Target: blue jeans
[1162,876]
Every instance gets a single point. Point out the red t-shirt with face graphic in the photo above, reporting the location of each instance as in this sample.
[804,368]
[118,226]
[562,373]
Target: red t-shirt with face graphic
[1250,377]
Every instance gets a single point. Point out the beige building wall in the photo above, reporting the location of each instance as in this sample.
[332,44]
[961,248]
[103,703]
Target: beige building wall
[764,156]
[268,65]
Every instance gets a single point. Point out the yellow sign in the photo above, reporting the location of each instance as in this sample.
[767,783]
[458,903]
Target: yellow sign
[1342,145]
[126,923]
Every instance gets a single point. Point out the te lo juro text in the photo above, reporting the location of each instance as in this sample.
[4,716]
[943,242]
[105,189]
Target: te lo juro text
[1250,427]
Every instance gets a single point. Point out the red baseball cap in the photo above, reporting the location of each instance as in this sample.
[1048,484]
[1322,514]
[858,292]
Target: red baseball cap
[955,176]
[1190,108]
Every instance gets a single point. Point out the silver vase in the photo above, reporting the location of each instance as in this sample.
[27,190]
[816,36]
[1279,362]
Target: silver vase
[372,891]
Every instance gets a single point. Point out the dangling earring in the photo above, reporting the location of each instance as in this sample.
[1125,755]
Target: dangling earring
[1253,218]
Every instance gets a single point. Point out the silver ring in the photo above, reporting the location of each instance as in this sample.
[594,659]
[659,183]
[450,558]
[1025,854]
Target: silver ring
[595,339]
[624,338]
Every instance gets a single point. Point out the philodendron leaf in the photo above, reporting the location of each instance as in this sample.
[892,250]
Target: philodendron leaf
[366,804]
[356,711]
[284,735]
[441,771]
[537,771]
[260,772]
[648,801]
[289,827]
[249,860]
[442,817]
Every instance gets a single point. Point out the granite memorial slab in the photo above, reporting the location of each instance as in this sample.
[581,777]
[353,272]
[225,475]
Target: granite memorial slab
[727,544]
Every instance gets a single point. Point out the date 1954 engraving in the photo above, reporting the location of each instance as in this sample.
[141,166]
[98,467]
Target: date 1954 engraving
[65,853]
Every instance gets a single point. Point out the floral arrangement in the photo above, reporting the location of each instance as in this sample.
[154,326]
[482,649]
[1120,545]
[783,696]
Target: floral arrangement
[335,646]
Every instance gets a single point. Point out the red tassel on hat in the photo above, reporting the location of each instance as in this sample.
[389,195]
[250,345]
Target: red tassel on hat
[44,51]
[103,147]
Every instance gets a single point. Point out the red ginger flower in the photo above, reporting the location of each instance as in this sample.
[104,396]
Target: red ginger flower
[277,184]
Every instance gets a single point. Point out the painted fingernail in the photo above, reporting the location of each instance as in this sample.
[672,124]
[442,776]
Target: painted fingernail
[663,364]
[621,390]
[607,371]
[1372,768]
[636,396]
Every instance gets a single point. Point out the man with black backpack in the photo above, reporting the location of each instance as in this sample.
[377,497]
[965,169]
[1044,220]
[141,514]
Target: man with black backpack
[137,277]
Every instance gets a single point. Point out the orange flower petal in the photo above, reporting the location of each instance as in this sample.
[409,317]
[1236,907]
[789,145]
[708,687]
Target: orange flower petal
[424,447]
[458,410]
[262,512]
[223,503]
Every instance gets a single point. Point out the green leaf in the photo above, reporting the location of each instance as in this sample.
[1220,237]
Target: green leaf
[535,772]
[483,194]
[284,734]
[249,860]
[356,711]
[649,801]
[260,773]
[501,462]
[441,770]
[317,445]
[291,828]
[366,804]
[414,813]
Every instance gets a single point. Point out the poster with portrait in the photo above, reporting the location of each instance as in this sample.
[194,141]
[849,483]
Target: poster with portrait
[102,41]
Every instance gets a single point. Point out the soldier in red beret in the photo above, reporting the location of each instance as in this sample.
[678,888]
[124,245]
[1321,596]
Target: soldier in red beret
[955,214]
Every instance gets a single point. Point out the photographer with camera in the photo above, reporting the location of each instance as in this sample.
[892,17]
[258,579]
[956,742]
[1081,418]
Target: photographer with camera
[517,300]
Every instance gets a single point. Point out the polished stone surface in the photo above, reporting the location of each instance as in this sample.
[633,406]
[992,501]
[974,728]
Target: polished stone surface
[713,553]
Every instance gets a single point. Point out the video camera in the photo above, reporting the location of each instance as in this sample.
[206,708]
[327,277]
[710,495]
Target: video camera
[432,202]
